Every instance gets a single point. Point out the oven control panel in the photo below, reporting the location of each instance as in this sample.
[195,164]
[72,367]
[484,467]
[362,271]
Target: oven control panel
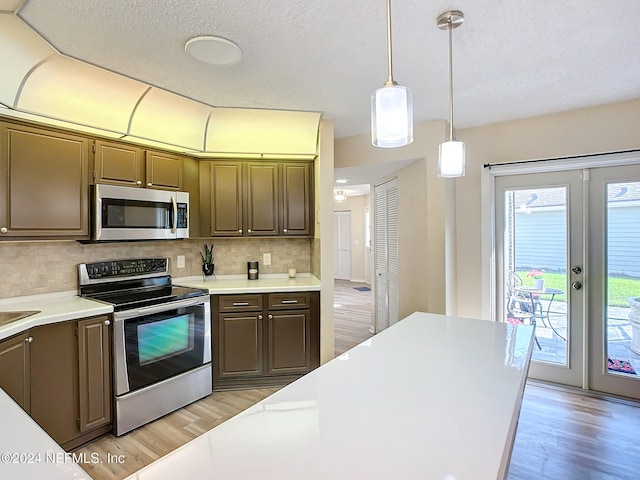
[128,268]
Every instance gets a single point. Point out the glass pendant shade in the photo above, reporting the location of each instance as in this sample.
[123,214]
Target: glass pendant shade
[391,116]
[451,159]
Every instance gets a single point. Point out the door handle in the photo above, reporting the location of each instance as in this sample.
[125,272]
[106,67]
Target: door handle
[576,270]
[576,285]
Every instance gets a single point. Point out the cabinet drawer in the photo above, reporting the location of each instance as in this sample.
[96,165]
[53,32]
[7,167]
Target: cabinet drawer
[240,303]
[288,300]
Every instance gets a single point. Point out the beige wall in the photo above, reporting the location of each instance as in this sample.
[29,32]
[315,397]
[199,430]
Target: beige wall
[421,214]
[591,130]
[323,245]
[444,231]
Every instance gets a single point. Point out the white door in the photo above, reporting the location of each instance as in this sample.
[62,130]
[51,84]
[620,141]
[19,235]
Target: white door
[539,237]
[614,279]
[579,231]
[342,245]
[386,254]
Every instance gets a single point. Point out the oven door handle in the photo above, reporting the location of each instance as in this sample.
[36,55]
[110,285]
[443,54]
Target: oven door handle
[139,312]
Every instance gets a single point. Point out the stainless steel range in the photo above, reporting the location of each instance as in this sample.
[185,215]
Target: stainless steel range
[161,337]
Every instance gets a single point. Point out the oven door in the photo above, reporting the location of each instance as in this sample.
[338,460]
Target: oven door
[155,343]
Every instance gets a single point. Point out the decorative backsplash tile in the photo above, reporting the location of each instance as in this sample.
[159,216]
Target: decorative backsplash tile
[29,268]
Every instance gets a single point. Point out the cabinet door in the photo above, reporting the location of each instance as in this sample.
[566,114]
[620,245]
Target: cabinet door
[54,380]
[262,199]
[289,338]
[164,171]
[225,186]
[239,345]
[118,164]
[44,177]
[14,369]
[297,198]
[94,373]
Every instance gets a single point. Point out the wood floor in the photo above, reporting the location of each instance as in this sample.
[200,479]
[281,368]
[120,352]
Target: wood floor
[352,312]
[561,435]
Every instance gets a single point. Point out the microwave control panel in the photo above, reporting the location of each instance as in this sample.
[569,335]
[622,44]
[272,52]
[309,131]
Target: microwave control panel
[116,268]
[183,220]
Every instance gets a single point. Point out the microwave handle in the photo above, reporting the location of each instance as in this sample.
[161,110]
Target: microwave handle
[174,224]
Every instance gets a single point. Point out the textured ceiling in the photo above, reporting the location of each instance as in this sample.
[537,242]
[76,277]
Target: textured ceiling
[512,59]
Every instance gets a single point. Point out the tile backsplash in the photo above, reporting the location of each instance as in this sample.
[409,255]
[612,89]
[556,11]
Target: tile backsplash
[29,268]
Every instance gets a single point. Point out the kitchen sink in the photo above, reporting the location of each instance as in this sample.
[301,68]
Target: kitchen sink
[8,317]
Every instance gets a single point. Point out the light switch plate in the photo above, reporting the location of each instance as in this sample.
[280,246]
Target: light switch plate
[180,261]
[266,259]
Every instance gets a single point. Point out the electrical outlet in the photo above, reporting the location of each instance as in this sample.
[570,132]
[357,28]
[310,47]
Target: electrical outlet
[180,261]
[266,259]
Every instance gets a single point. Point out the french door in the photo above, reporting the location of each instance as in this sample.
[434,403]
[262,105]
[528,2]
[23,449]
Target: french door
[568,260]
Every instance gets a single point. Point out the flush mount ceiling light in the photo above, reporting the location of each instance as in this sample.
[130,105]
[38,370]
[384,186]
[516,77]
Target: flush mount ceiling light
[391,107]
[340,196]
[451,158]
[343,181]
[214,50]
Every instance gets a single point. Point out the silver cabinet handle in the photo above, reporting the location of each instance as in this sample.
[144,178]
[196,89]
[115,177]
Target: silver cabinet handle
[149,184]
[139,182]
[259,317]
[28,339]
[107,322]
[285,302]
[240,231]
[240,304]
[285,230]
[249,230]
[270,316]
[4,229]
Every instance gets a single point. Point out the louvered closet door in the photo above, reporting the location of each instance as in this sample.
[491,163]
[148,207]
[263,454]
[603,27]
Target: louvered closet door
[342,245]
[386,254]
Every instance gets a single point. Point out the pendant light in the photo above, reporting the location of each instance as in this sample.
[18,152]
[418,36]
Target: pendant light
[391,107]
[451,158]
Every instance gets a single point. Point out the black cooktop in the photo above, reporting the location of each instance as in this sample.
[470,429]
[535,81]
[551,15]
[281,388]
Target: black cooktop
[130,284]
[130,299]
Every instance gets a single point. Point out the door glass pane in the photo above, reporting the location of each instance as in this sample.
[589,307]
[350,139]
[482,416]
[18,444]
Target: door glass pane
[622,311]
[535,267]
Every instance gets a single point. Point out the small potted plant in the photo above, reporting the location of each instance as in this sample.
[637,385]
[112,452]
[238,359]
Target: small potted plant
[207,260]
[538,280]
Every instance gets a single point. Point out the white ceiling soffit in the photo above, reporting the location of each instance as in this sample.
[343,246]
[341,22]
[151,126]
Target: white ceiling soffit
[176,120]
[66,89]
[20,50]
[45,86]
[279,133]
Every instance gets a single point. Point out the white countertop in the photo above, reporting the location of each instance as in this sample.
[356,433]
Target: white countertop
[266,283]
[54,307]
[26,451]
[431,397]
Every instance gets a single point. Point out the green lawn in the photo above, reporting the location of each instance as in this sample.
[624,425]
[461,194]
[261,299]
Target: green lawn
[619,288]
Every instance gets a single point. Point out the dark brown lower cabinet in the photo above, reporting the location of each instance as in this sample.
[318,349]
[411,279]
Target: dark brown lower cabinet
[14,369]
[60,374]
[275,340]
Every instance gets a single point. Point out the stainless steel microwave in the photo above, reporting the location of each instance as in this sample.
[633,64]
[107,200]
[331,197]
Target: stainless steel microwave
[130,213]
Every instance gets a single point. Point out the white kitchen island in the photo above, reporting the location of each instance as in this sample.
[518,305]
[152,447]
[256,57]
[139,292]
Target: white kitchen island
[432,397]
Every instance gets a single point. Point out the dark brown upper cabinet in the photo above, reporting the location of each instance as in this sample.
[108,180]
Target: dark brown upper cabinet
[44,177]
[122,164]
[244,198]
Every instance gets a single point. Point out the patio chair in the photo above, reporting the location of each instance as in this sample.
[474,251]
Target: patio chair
[519,307]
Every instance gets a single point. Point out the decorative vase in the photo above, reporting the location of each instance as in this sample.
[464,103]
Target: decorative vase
[634,320]
[538,283]
[207,269]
